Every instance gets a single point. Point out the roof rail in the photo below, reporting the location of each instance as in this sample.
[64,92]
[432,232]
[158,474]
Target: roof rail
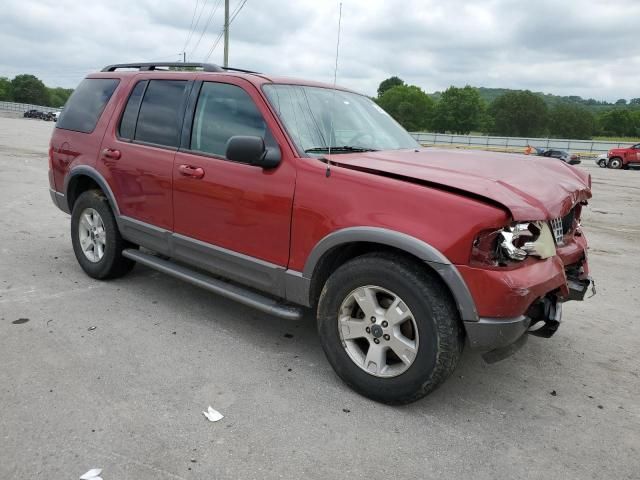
[147,66]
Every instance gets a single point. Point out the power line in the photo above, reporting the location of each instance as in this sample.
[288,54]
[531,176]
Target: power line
[206,25]
[195,25]
[237,11]
[191,27]
[233,16]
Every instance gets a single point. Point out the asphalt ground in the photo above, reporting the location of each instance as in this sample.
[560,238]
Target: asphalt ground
[116,374]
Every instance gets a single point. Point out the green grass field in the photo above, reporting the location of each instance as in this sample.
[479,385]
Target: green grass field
[618,139]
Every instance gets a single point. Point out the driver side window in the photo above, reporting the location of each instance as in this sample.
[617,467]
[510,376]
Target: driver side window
[224,111]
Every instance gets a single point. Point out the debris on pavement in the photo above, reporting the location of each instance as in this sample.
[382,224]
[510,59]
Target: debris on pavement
[554,393]
[91,328]
[20,321]
[92,474]
[213,415]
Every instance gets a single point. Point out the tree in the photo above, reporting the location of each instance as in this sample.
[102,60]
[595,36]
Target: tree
[519,114]
[409,105]
[59,96]
[459,110]
[5,89]
[389,83]
[29,89]
[634,101]
[571,121]
[617,122]
[622,101]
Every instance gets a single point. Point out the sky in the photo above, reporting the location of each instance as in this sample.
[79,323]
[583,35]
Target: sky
[589,48]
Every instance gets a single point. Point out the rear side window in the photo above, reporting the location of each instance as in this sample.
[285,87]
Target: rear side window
[84,107]
[159,120]
[224,111]
[128,122]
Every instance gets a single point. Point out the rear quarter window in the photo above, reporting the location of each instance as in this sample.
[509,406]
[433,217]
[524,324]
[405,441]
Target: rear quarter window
[86,104]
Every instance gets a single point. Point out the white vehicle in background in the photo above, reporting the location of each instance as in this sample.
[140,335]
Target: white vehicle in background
[601,160]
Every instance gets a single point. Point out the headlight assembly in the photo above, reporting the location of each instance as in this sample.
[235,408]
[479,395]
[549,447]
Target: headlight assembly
[514,243]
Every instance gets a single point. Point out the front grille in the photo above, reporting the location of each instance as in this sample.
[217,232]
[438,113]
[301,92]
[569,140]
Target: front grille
[556,228]
[562,225]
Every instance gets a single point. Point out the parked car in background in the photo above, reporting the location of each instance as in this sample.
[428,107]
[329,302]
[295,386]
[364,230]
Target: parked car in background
[566,157]
[33,113]
[602,160]
[624,157]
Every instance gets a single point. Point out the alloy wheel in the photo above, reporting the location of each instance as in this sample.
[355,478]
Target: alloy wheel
[378,331]
[92,235]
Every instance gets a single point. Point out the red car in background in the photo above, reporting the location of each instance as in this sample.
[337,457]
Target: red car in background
[624,157]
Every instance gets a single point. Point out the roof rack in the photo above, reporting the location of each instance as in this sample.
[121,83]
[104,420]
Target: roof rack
[148,66]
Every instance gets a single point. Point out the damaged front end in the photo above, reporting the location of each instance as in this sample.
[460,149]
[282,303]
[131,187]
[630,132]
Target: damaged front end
[521,275]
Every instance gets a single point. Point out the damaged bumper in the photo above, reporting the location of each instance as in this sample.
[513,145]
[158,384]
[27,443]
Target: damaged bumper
[528,299]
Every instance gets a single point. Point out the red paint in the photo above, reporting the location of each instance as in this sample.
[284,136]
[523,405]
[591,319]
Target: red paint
[442,197]
[628,155]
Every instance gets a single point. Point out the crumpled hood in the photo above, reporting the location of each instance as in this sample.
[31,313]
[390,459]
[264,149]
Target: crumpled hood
[530,187]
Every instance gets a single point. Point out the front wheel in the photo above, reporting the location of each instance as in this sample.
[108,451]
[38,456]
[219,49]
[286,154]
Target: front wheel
[602,163]
[389,328]
[615,163]
[96,239]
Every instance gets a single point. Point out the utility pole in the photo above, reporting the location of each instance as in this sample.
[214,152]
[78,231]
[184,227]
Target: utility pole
[226,33]
[184,57]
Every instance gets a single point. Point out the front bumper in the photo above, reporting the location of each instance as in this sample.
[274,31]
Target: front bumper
[511,303]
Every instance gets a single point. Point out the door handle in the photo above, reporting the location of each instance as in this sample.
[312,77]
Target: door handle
[190,171]
[111,153]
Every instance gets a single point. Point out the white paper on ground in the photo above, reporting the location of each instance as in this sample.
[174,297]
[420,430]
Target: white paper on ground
[213,415]
[92,474]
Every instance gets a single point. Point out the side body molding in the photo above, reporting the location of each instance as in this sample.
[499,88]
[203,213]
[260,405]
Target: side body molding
[422,250]
[99,179]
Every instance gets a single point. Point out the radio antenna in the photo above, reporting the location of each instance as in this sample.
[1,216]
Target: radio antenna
[333,95]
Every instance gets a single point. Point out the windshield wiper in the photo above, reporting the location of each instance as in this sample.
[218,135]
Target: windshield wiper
[342,149]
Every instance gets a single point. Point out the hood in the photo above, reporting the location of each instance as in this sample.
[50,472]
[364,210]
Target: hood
[531,188]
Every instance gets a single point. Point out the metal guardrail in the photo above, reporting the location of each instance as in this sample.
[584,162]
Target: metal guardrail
[511,144]
[23,107]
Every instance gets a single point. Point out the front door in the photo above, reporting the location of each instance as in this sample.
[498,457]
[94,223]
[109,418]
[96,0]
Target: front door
[232,218]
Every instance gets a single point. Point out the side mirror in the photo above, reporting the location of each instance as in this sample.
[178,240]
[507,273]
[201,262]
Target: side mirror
[253,151]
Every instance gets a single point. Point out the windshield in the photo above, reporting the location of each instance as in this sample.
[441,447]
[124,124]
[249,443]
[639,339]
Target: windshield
[318,118]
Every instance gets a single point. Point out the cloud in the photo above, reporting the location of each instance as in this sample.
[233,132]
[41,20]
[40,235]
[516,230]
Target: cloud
[575,47]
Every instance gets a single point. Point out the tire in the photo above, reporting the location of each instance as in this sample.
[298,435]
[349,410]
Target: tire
[615,163]
[103,258]
[602,163]
[433,327]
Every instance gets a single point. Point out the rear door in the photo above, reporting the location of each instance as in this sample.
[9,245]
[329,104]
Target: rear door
[137,157]
[78,132]
[232,218]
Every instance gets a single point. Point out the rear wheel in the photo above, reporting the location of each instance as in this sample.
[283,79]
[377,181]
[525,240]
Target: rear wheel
[96,240]
[615,162]
[602,163]
[389,328]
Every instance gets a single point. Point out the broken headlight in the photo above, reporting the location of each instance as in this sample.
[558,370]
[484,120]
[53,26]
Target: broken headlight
[513,243]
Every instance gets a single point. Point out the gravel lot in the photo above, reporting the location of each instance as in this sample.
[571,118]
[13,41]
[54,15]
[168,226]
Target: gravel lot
[128,395]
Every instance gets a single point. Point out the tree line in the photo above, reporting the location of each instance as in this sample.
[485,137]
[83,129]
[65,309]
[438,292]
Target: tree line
[514,113]
[30,89]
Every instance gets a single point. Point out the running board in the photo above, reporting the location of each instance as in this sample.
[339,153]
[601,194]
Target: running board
[233,292]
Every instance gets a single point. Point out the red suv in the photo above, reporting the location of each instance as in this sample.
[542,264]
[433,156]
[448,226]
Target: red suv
[288,195]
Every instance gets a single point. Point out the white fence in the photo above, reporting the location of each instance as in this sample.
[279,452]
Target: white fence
[510,144]
[23,107]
